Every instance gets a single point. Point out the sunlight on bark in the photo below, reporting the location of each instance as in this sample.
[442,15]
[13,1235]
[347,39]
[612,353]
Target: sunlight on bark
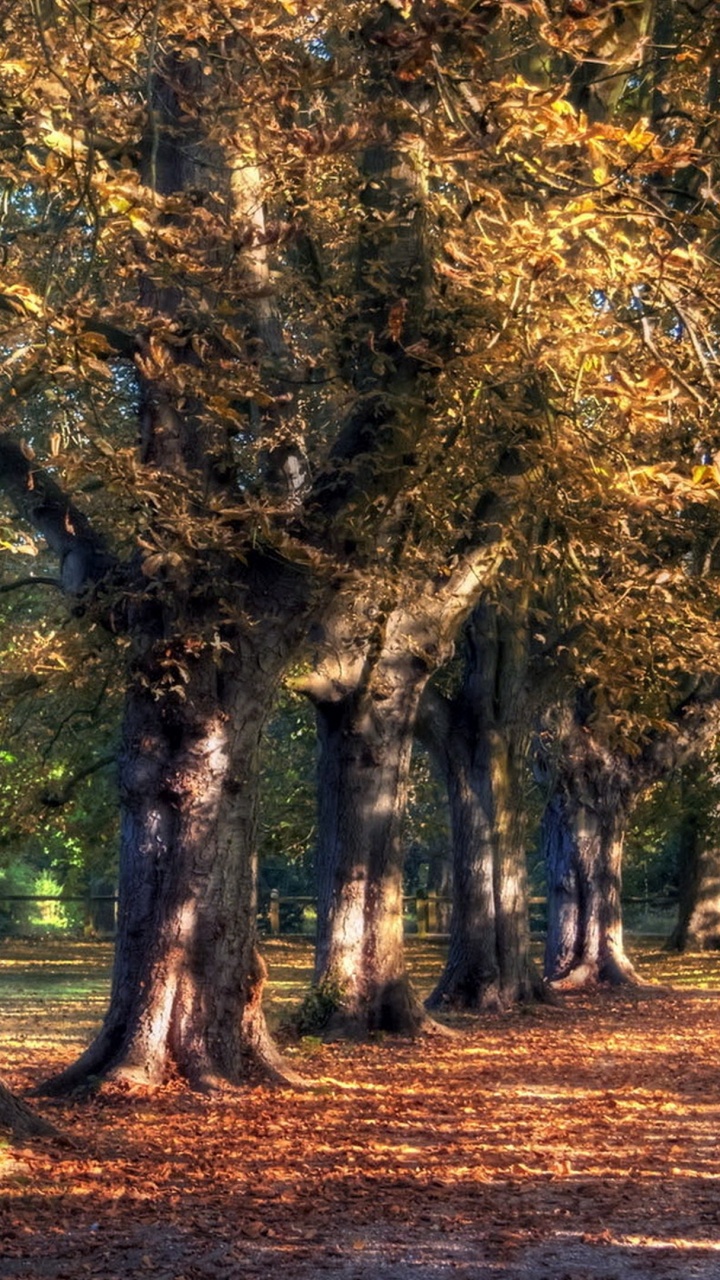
[350,929]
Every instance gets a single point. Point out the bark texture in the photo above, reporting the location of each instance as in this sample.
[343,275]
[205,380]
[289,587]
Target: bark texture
[20,1121]
[582,841]
[187,983]
[478,742]
[373,664]
[592,783]
[365,745]
[698,926]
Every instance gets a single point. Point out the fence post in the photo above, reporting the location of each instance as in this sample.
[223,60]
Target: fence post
[421,912]
[433,921]
[275,912]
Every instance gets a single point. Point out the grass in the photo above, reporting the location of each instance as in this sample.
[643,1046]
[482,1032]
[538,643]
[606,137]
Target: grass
[71,979]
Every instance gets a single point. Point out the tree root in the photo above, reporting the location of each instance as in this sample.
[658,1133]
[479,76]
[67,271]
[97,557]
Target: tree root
[21,1122]
[258,1062]
[464,995]
[613,970]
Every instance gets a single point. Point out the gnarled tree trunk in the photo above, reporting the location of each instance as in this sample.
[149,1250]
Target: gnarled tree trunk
[582,843]
[594,783]
[187,984]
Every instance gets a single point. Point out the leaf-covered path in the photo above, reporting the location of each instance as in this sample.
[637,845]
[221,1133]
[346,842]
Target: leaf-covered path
[568,1143]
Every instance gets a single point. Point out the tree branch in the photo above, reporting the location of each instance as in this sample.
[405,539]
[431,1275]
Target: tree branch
[30,582]
[56,799]
[84,558]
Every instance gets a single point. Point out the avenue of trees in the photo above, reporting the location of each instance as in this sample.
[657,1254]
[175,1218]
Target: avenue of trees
[368,350]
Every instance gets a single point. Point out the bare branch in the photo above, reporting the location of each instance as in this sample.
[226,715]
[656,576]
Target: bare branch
[30,582]
[56,799]
[84,558]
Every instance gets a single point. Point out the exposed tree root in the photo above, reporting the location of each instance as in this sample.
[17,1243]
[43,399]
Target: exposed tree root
[137,1048]
[614,970]
[393,1008]
[466,993]
[258,1061]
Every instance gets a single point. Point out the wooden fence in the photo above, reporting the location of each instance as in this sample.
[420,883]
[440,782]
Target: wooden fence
[426,913]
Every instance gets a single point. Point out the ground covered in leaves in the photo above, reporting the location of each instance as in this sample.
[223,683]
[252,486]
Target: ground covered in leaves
[568,1143]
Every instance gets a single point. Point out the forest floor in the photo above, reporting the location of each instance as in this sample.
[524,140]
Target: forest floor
[577,1142]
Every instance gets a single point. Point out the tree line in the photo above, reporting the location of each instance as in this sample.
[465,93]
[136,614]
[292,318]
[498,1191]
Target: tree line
[371,349]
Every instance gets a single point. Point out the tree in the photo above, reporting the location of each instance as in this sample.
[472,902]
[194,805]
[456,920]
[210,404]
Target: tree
[366,689]
[698,925]
[582,833]
[594,782]
[478,738]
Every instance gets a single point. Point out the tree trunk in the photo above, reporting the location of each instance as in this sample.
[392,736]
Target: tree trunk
[187,985]
[17,1118]
[698,926]
[478,741]
[367,684]
[582,843]
[365,744]
[488,964]
[595,782]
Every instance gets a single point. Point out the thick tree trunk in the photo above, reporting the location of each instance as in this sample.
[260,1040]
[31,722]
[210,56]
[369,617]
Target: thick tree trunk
[488,964]
[582,842]
[187,984]
[365,742]
[477,742]
[595,783]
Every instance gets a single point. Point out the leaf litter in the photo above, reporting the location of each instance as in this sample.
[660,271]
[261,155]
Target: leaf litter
[576,1142]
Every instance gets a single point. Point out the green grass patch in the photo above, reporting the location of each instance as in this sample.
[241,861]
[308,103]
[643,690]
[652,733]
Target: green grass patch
[73,977]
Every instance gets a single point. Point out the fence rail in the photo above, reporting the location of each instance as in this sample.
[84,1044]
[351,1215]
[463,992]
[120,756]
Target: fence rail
[426,913]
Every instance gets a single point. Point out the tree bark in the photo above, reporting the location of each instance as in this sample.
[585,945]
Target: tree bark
[582,844]
[187,984]
[698,926]
[18,1119]
[594,783]
[365,745]
[477,740]
[368,679]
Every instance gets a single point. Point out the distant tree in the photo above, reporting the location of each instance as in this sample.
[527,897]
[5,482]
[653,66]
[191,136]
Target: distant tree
[593,783]
[698,858]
